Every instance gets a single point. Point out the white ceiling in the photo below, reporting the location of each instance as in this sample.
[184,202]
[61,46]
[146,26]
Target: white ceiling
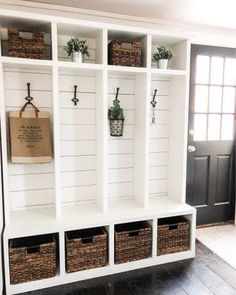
[220,13]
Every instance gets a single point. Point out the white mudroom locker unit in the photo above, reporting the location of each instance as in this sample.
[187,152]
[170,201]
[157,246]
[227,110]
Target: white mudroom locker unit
[95,180]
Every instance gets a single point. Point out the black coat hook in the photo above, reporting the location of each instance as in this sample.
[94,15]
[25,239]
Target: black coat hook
[154,102]
[75,99]
[29,98]
[117,94]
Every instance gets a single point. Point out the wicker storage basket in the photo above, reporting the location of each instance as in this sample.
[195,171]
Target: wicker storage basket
[173,235]
[86,249]
[125,54]
[32,258]
[133,241]
[26,48]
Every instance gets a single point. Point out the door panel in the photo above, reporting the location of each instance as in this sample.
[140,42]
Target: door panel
[223,178]
[210,170]
[200,180]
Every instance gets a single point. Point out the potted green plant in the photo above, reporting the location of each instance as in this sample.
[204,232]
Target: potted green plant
[162,57]
[116,117]
[77,49]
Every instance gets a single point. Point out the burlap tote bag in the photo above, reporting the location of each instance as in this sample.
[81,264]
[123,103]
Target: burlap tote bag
[30,136]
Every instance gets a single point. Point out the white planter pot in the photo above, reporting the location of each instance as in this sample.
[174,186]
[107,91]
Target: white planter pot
[162,64]
[77,57]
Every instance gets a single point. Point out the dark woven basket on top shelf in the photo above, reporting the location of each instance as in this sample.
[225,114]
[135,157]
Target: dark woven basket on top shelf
[32,258]
[173,235]
[133,241]
[86,249]
[24,47]
[125,54]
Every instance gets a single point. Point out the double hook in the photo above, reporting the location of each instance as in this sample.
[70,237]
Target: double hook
[75,99]
[154,102]
[117,94]
[29,99]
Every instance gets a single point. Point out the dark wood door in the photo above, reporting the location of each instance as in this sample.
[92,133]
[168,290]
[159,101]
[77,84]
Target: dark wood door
[210,167]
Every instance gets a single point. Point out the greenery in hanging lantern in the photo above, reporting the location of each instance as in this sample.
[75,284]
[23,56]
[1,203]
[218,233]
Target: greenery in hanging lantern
[116,112]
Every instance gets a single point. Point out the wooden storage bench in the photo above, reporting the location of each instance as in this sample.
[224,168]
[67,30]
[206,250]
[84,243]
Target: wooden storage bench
[32,258]
[86,249]
[133,241]
[173,235]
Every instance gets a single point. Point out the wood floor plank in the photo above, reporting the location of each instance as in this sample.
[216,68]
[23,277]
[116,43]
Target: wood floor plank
[206,274]
[187,279]
[208,277]
[154,281]
[216,264]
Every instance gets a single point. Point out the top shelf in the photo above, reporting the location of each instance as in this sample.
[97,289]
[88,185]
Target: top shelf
[47,64]
[57,34]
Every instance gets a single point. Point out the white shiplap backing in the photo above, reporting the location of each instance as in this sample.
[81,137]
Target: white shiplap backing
[29,184]
[159,140]
[121,149]
[33,185]
[78,137]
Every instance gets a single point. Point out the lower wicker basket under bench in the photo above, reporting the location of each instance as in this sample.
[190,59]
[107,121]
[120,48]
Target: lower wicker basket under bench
[35,258]
[173,235]
[32,258]
[133,241]
[86,249]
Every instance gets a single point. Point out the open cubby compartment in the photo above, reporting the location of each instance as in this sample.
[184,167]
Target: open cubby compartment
[22,252]
[126,154]
[80,135]
[174,222]
[86,249]
[179,48]
[25,26]
[133,241]
[28,187]
[167,140]
[129,37]
[93,36]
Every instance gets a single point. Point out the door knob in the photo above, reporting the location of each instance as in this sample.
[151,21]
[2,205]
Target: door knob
[191,148]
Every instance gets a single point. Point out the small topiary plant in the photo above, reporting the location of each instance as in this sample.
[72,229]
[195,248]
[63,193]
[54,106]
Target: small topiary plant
[162,53]
[76,45]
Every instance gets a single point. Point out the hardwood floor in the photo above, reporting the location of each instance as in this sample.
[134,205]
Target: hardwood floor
[206,274]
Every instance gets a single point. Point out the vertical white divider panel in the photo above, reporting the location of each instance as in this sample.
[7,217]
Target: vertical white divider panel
[6,261]
[101,47]
[104,46]
[4,148]
[178,136]
[141,173]
[193,231]
[101,125]
[62,253]
[101,136]
[149,51]
[177,150]
[154,238]
[111,245]
[56,121]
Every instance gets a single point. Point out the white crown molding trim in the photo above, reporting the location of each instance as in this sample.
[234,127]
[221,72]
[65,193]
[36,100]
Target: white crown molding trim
[104,16]
[202,34]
